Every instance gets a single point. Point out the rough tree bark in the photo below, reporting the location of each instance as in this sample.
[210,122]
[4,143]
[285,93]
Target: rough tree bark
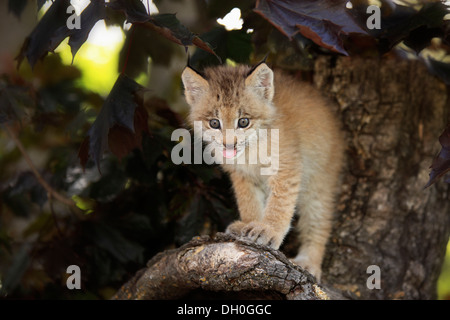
[223,264]
[393,112]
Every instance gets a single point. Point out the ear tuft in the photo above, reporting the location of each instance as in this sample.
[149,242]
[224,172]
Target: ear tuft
[260,78]
[195,85]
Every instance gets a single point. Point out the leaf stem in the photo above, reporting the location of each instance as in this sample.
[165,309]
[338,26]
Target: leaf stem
[128,50]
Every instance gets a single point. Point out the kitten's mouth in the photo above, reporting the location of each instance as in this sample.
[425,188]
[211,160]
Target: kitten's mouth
[229,153]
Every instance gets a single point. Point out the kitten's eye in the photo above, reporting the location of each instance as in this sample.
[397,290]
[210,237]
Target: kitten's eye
[214,123]
[243,122]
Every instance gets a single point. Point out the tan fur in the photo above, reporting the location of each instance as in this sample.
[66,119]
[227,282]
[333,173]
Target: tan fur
[310,153]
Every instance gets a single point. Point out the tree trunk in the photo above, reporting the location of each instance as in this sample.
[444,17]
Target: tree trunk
[393,113]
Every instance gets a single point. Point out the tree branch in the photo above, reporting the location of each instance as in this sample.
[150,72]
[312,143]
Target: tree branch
[223,265]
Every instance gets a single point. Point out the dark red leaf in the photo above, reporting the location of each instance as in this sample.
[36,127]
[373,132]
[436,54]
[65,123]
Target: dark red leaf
[122,141]
[324,22]
[414,28]
[38,43]
[52,30]
[118,110]
[134,10]
[17,7]
[83,152]
[94,12]
[165,24]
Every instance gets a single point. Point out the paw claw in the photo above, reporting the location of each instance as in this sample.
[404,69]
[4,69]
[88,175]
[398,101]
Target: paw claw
[257,232]
[235,228]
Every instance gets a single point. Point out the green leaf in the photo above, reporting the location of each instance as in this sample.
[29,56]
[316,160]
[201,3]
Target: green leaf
[87,205]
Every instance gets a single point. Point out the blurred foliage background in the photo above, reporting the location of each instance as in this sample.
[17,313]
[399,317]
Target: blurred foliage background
[134,202]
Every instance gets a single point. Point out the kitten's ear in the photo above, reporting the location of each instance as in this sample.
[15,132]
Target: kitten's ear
[261,79]
[194,85]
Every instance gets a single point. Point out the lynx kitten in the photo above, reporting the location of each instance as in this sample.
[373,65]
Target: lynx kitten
[310,152]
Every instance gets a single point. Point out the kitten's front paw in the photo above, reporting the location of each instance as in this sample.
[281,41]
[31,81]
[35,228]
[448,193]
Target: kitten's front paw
[258,232]
[262,233]
[236,228]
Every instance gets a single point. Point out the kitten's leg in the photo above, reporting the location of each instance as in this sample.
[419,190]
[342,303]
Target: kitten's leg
[316,205]
[278,212]
[250,200]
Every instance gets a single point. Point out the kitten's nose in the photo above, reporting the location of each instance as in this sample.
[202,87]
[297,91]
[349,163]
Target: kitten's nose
[229,146]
